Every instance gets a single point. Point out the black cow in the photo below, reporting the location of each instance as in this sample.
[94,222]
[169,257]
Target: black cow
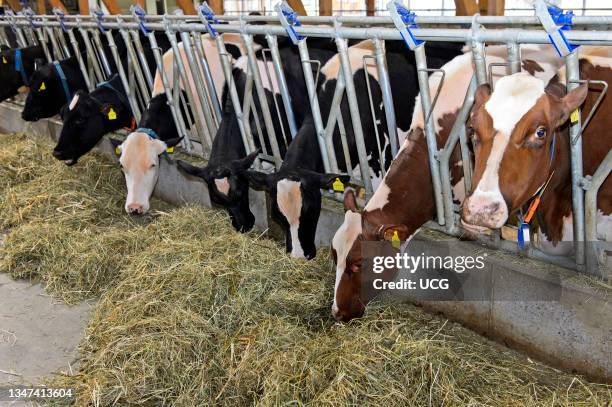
[49,92]
[16,66]
[295,188]
[225,173]
[88,117]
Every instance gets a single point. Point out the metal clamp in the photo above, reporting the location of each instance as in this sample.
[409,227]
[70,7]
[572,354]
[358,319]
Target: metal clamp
[288,18]
[29,13]
[207,15]
[98,14]
[61,16]
[140,15]
[404,21]
[555,21]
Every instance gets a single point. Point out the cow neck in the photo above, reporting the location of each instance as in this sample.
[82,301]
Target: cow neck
[304,152]
[157,120]
[410,200]
[107,93]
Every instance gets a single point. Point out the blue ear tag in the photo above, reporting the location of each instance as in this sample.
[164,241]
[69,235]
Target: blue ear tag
[523,236]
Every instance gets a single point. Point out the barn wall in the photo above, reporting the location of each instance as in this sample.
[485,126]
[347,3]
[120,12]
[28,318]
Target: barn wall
[573,334]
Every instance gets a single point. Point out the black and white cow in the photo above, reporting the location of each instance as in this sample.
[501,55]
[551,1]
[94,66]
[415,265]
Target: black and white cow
[90,116]
[225,173]
[16,67]
[295,188]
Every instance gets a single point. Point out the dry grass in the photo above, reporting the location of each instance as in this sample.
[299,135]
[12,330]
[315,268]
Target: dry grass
[192,313]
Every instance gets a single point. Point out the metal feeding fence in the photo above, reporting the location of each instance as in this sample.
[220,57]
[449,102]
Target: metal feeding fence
[548,25]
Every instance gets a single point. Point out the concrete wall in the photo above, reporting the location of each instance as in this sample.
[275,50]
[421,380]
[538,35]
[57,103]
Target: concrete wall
[573,333]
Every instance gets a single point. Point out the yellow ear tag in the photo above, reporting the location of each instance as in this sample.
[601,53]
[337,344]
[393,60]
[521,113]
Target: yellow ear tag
[395,240]
[42,87]
[575,116]
[338,186]
[117,150]
[4,61]
[112,115]
[170,150]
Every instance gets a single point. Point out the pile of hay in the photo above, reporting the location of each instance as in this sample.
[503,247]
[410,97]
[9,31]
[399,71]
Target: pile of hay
[196,314]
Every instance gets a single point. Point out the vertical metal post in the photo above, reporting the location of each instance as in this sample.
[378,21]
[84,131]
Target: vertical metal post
[133,58]
[282,83]
[91,55]
[102,53]
[210,82]
[351,96]
[124,80]
[514,58]
[573,74]
[430,131]
[79,57]
[261,95]
[57,52]
[141,57]
[314,102]
[478,55]
[43,42]
[590,208]
[387,97]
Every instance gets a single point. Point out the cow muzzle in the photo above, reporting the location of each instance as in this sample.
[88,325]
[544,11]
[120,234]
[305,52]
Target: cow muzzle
[135,209]
[484,210]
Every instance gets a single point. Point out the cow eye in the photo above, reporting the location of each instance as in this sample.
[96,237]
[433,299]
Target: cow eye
[152,165]
[540,133]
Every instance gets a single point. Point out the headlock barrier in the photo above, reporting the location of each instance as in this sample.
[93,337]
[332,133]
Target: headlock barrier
[189,83]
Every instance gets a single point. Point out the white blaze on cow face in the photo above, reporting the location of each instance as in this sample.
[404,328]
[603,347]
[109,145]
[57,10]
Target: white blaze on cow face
[513,97]
[289,201]
[140,163]
[342,243]
[222,185]
[73,102]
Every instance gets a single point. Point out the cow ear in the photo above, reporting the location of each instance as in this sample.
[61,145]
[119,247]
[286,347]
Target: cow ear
[258,180]
[173,142]
[394,232]
[246,162]
[327,181]
[191,169]
[572,101]
[350,200]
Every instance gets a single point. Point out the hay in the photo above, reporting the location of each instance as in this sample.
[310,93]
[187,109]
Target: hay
[196,314]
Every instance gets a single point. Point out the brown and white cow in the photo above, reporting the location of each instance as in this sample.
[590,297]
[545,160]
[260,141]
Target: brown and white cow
[521,144]
[405,200]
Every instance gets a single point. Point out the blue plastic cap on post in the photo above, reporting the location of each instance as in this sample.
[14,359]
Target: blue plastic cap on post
[61,16]
[404,21]
[208,17]
[288,18]
[141,15]
[98,14]
[555,21]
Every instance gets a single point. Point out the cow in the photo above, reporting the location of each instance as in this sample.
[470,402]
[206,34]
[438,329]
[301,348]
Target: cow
[157,123]
[54,84]
[16,66]
[522,149]
[225,173]
[51,87]
[295,188]
[404,201]
[89,116]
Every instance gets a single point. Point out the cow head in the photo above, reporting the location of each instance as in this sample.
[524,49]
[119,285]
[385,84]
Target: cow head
[139,162]
[354,285]
[86,119]
[513,132]
[296,204]
[228,188]
[46,95]
[12,82]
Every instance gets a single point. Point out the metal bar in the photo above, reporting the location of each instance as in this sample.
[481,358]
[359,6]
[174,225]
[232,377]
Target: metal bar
[143,60]
[573,74]
[133,64]
[430,131]
[590,209]
[210,83]
[351,96]
[282,83]
[124,80]
[92,56]
[387,97]
[514,58]
[102,53]
[79,57]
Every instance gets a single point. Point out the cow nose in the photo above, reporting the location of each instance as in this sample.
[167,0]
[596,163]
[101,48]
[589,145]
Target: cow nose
[135,209]
[57,154]
[485,211]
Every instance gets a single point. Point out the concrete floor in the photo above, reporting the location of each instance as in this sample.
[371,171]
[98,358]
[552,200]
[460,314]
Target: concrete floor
[38,335]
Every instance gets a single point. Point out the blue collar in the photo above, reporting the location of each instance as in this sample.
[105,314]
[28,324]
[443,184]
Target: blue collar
[149,132]
[60,72]
[19,67]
